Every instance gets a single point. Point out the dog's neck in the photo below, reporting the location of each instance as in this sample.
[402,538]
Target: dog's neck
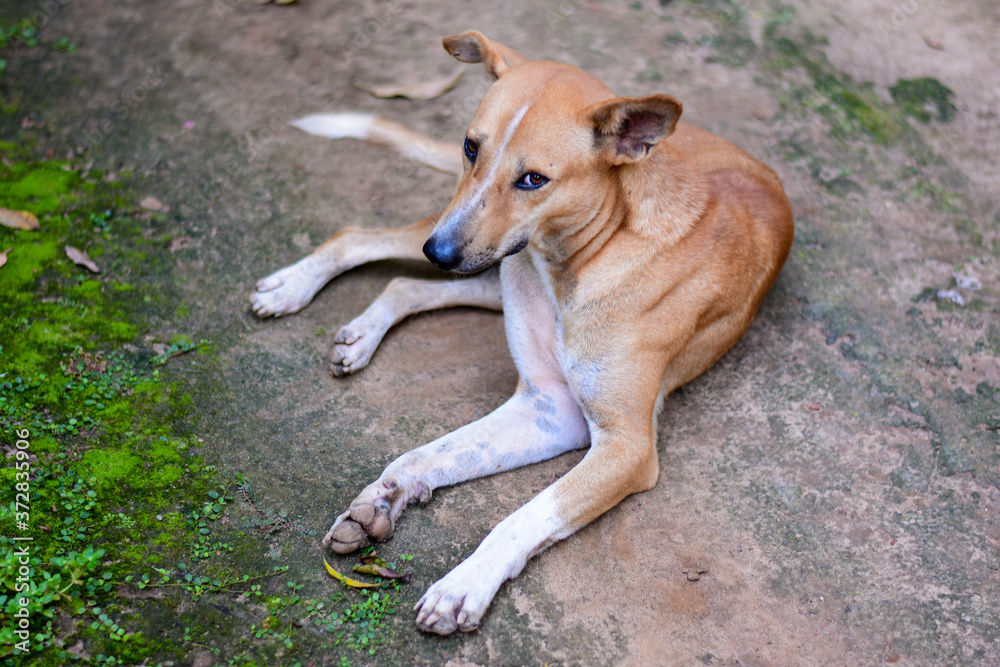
[653,203]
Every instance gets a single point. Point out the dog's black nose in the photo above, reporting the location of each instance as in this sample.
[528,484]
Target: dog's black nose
[442,253]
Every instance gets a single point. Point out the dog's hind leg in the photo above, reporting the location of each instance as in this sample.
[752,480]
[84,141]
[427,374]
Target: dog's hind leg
[356,342]
[293,287]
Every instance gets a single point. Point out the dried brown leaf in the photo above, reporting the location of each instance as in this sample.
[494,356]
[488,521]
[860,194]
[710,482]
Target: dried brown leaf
[3,256]
[81,258]
[426,90]
[18,219]
[933,43]
[384,572]
[376,567]
[180,243]
[151,203]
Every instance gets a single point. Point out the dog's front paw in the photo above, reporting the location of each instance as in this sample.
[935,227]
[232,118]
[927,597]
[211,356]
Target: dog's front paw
[456,602]
[287,291]
[353,348]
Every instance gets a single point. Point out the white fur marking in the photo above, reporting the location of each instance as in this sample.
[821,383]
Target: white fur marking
[472,202]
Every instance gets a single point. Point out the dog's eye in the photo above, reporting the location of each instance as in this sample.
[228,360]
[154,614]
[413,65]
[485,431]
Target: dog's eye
[532,181]
[471,149]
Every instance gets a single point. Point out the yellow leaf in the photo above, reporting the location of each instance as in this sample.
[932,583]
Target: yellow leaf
[18,219]
[353,583]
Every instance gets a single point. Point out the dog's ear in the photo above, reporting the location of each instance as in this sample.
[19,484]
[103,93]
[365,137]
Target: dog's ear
[474,47]
[627,128]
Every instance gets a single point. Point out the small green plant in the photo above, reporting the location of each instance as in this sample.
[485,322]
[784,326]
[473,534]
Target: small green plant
[204,547]
[25,34]
[66,582]
[181,345]
[198,585]
[120,519]
[100,220]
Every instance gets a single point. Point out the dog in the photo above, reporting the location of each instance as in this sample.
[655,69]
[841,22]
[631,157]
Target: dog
[633,249]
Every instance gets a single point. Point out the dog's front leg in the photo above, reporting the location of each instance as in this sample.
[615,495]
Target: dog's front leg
[356,342]
[293,287]
[539,421]
[620,462]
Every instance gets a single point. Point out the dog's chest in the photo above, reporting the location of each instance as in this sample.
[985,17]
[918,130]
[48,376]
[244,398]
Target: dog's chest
[544,314]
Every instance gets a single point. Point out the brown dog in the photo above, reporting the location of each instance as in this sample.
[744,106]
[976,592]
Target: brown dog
[634,251]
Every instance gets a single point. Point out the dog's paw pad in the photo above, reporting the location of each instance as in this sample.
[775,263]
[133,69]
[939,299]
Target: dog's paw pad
[347,537]
[369,518]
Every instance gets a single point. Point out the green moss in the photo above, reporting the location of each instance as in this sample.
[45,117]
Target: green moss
[924,98]
[850,108]
[88,289]
[109,466]
[40,188]
[26,258]
[104,446]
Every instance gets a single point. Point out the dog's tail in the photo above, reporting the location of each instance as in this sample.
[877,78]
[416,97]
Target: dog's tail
[413,145]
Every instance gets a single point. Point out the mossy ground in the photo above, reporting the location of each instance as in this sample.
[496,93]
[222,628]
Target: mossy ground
[114,493]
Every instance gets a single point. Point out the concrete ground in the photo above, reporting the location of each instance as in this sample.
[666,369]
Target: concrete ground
[829,491]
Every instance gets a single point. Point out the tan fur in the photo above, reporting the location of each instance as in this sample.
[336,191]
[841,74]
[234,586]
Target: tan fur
[658,262]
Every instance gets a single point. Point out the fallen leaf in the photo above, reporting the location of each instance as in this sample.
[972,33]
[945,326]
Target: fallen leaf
[933,43]
[180,243]
[18,219]
[375,566]
[80,257]
[353,583]
[426,90]
[151,203]
[3,256]
[372,559]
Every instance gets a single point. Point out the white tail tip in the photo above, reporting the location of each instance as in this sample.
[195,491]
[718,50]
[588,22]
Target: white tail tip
[336,125]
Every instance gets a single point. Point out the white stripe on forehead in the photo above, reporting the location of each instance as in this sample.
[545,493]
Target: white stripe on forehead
[477,196]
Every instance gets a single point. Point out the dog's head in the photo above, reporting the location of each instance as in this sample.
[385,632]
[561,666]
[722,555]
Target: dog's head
[539,154]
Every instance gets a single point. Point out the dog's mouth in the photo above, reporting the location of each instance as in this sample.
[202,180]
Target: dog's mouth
[490,257]
[517,247]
